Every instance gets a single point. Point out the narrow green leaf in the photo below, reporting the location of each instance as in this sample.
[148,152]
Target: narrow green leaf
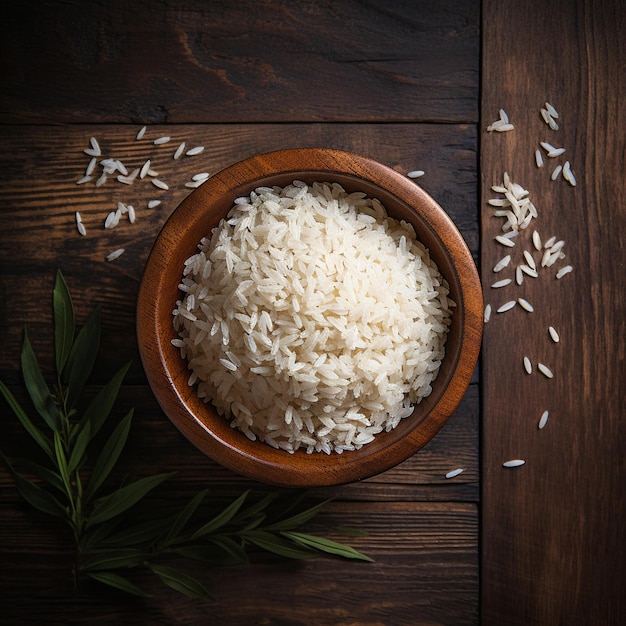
[181,582]
[44,443]
[49,476]
[258,507]
[326,545]
[124,498]
[118,582]
[109,455]
[35,495]
[98,536]
[36,385]
[216,554]
[183,517]
[83,356]
[231,547]
[62,463]
[80,447]
[100,407]
[144,532]
[279,545]
[63,321]
[297,520]
[114,559]
[221,518]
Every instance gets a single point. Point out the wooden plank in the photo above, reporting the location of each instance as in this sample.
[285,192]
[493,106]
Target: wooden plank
[432,550]
[38,232]
[145,62]
[154,440]
[552,544]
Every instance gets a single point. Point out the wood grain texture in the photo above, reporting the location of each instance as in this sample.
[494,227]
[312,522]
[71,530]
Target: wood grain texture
[433,550]
[553,547]
[248,61]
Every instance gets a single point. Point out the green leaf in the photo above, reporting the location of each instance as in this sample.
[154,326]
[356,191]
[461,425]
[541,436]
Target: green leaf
[221,518]
[183,517]
[118,582]
[216,554]
[62,463]
[297,520]
[279,545]
[44,443]
[49,476]
[109,455]
[114,559]
[124,498]
[144,532]
[231,547]
[256,508]
[326,545]
[63,321]
[83,356]
[181,582]
[100,407]
[35,495]
[36,385]
[80,447]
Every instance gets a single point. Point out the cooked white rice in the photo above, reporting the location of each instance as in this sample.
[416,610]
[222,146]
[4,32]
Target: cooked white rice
[311,319]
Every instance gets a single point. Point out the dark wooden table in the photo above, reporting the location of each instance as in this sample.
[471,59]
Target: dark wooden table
[415,86]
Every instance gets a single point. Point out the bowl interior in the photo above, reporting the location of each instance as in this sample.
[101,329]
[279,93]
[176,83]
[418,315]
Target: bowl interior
[200,212]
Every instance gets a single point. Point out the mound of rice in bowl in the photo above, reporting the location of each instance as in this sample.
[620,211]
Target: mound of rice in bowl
[311,319]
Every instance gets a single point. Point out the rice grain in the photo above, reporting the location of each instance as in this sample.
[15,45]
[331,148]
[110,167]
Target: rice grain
[514,463]
[545,370]
[115,254]
[454,473]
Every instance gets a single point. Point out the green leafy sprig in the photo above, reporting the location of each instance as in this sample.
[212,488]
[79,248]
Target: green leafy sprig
[113,532]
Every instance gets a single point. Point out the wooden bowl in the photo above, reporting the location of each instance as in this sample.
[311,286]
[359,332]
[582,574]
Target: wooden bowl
[167,372]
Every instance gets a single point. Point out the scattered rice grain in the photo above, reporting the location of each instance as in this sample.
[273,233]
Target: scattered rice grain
[161,140]
[179,150]
[141,133]
[536,240]
[545,370]
[501,283]
[160,184]
[526,305]
[551,110]
[487,314]
[454,472]
[153,203]
[84,179]
[554,334]
[502,263]
[144,169]
[556,171]
[416,174]
[564,270]
[538,158]
[543,420]
[505,241]
[507,306]
[115,254]
[514,463]
[528,366]
[194,151]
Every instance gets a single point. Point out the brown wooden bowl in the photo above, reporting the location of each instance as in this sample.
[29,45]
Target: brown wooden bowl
[167,372]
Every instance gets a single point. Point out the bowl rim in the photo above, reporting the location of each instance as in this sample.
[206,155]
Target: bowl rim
[258,460]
